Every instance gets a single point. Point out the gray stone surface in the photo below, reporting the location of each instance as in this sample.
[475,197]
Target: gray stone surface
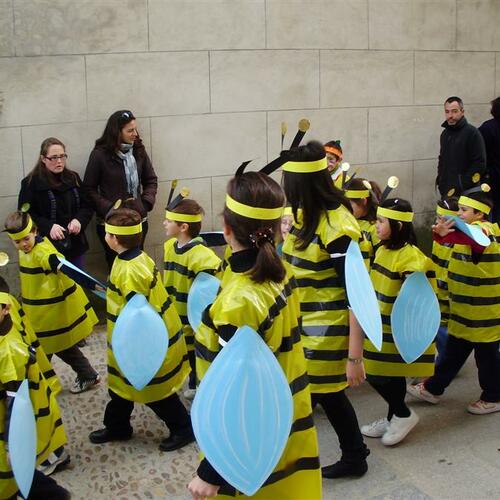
[6,28]
[477,27]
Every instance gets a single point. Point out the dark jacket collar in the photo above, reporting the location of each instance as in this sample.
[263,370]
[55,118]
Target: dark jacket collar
[185,248]
[460,124]
[243,261]
[130,254]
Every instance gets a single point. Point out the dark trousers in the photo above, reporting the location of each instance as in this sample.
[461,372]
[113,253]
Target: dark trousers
[455,355]
[45,488]
[393,390]
[170,410]
[111,254]
[342,416]
[78,362]
[192,375]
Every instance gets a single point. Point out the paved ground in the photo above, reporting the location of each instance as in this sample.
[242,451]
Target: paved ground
[449,455]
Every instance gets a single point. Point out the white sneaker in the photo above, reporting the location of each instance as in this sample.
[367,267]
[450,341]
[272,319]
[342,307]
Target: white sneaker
[420,392]
[399,428]
[375,429]
[190,394]
[54,463]
[481,407]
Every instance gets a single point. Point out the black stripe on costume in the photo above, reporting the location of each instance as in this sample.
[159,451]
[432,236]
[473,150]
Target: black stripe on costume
[51,300]
[155,278]
[475,301]
[333,305]
[33,270]
[288,342]
[111,317]
[485,257]
[396,358]
[327,379]
[302,424]
[280,302]
[6,475]
[204,352]
[165,306]
[475,323]
[439,261]
[65,329]
[179,296]
[156,380]
[473,281]
[174,266]
[299,384]
[189,339]
[175,338]
[382,270]
[385,298]
[386,319]
[442,285]
[326,331]
[114,288]
[307,264]
[318,355]
[184,320]
[130,295]
[303,463]
[332,282]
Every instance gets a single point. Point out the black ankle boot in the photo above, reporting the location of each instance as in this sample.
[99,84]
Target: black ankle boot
[344,469]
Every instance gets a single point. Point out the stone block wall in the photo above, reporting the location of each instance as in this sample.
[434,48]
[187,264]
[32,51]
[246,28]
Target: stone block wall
[211,80]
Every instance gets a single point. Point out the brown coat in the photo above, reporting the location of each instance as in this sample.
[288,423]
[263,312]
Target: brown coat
[105,181]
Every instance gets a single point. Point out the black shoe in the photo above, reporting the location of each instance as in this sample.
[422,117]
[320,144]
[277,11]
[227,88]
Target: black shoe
[176,441]
[344,469]
[104,436]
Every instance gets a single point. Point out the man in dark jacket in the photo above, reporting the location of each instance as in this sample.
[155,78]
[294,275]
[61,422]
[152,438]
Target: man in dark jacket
[490,130]
[462,157]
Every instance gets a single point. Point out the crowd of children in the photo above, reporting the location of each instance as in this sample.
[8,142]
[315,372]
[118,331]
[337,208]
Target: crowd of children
[283,275]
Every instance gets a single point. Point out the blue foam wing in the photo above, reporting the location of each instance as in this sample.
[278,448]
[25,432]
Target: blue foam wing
[201,294]
[415,317]
[242,413]
[22,439]
[65,262]
[139,341]
[362,296]
[471,230]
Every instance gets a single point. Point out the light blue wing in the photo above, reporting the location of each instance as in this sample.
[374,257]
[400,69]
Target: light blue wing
[471,230]
[201,294]
[415,317]
[22,439]
[139,341]
[77,269]
[242,413]
[361,294]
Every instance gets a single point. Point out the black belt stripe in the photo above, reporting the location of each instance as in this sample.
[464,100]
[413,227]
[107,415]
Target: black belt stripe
[382,270]
[332,282]
[396,358]
[440,262]
[473,281]
[485,257]
[319,355]
[307,264]
[475,301]
[327,379]
[302,424]
[326,331]
[33,270]
[51,300]
[59,331]
[304,463]
[334,305]
[299,384]
[174,266]
[287,343]
[475,323]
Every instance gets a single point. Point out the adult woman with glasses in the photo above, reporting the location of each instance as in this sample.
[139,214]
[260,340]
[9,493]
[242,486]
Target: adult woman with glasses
[119,168]
[57,204]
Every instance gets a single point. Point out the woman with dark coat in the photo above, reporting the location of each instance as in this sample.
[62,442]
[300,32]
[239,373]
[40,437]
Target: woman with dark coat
[57,203]
[120,168]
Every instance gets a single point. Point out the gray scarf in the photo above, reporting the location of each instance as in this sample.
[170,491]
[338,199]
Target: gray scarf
[126,153]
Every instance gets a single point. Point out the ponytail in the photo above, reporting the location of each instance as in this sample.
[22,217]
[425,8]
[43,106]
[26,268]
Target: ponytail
[268,266]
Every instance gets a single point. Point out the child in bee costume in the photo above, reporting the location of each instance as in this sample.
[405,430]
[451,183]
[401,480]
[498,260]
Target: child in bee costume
[259,290]
[474,297]
[18,362]
[134,272]
[386,370]
[185,255]
[53,300]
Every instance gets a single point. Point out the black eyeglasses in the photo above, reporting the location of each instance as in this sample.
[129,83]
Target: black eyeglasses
[57,157]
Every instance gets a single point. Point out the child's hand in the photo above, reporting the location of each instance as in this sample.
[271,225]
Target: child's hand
[443,226]
[201,489]
[355,373]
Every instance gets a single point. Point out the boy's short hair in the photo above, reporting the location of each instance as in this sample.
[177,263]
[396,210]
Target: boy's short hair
[190,207]
[450,203]
[126,217]
[17,221]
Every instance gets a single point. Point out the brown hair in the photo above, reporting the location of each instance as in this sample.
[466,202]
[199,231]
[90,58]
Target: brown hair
[372,201]
[17,221]
[40,170]
[126,217]
[257,190]
[190,207]
[482,197]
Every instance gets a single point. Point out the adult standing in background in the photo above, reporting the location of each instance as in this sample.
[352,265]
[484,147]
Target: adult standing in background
[490,130]
[57,204]
[120,168]
[462,156]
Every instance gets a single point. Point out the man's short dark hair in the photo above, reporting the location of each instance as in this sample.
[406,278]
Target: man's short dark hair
[455,98]
[495,108]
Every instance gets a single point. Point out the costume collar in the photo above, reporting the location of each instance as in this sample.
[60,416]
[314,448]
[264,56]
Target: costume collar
[243,261]
[130,254]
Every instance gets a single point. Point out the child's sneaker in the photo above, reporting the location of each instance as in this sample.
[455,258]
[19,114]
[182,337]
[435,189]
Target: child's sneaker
[481,407]
[54,463]
[82,385]
[398,429]
[375,429]
[420,392]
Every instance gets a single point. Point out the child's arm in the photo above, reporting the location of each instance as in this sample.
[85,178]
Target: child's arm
[56,265]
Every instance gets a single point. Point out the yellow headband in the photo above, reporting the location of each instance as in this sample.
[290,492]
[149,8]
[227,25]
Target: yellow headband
[287,211]
[389,213]
[24,232]
[443,211]
[253,212]
[5,298]
[469,202]
[123,230]
[305,167]
[357,193]
[178,217]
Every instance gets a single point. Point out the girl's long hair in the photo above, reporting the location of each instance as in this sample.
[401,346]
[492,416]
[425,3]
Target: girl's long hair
[401,232]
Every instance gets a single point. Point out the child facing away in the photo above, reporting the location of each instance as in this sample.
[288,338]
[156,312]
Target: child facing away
[53,300]
[259,291]
[134,272]
[185,255]
[17,363]
[474,321]
[386,371]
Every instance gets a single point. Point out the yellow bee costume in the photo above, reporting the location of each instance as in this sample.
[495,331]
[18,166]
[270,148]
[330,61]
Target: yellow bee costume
[273,310]
[56,306]
[474,290]
[387,275]
[140,275]
[15,366]
[370,242]
[181,265]
[323,301]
